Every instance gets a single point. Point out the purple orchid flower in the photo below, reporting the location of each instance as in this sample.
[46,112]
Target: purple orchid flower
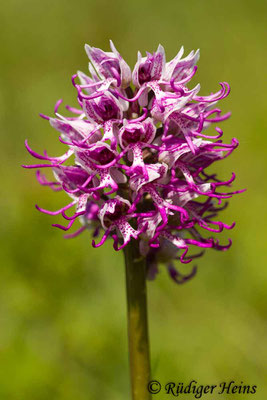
[140,158]
[110,65]
[149,68]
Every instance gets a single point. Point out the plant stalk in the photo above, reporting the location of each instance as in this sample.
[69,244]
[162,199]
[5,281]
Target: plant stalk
[138,338]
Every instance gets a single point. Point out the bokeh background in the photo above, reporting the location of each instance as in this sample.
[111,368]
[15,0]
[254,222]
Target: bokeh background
[62,303]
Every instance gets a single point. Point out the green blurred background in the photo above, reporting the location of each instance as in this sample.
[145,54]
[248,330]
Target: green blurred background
[62,303]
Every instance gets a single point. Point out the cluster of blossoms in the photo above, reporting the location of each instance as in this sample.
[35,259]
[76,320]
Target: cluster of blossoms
[140,156]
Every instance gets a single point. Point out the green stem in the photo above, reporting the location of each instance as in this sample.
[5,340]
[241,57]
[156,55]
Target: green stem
[137,321]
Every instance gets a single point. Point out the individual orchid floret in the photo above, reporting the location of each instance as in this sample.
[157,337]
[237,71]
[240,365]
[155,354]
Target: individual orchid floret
[102,109]
[107,112]
[149,68]
[137,157]
[110,65]
[180,68]
[133,137]
[76,130]
[114,215]
[98,160]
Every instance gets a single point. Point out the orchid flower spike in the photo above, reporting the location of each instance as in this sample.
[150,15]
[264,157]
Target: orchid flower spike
[137,154]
